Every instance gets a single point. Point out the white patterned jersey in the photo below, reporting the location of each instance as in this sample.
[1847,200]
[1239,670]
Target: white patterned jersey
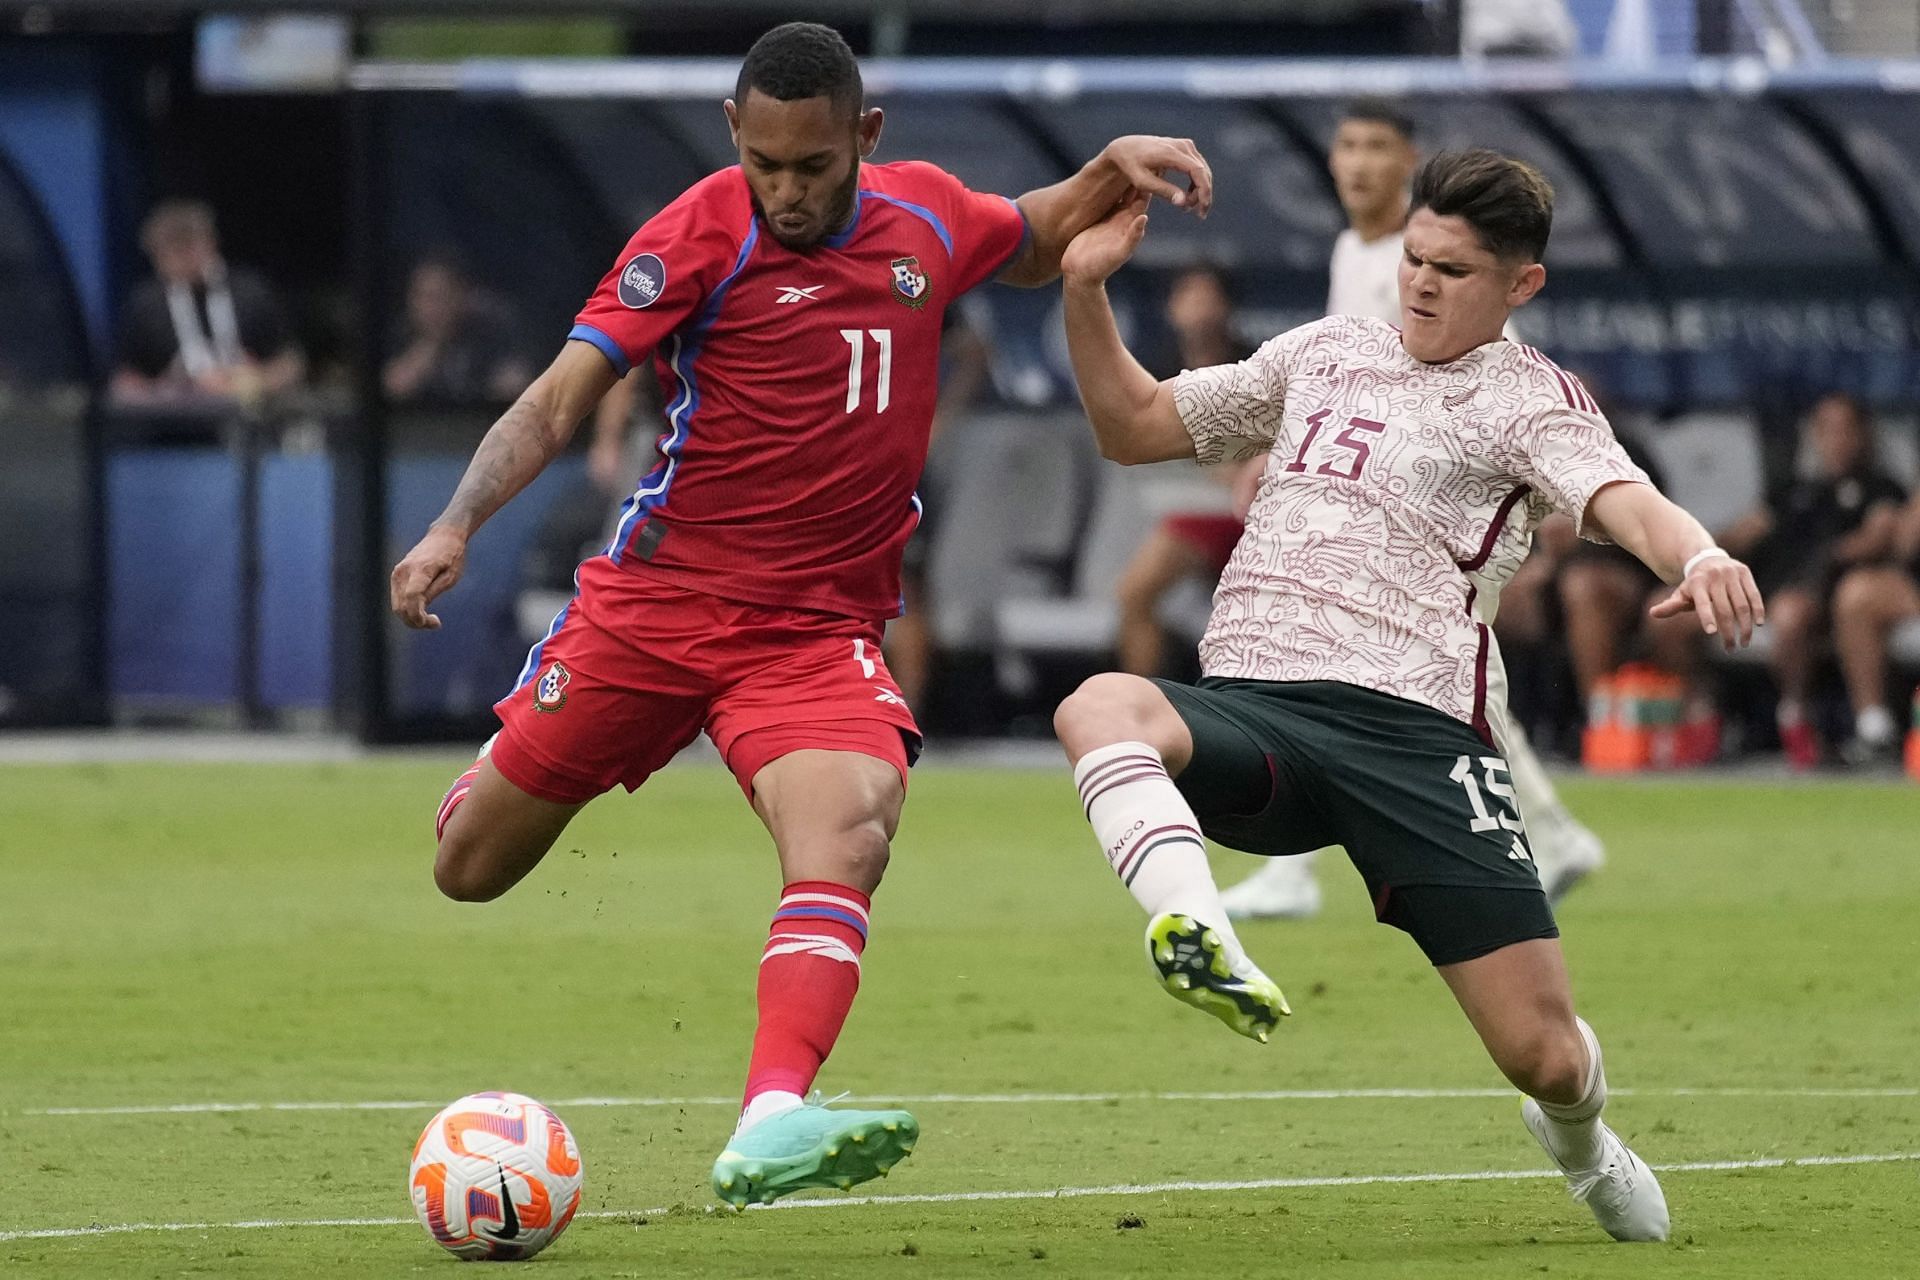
[1395,493]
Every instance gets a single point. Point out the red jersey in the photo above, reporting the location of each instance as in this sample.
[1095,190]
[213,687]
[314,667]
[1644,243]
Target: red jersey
[800,385]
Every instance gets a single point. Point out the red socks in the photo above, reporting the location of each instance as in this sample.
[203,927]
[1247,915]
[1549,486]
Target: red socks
[808,975]
[455,794]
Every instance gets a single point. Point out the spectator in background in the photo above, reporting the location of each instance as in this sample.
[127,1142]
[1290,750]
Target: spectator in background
[456,344]
[1604,595]
[965,359]
[1841,515]
[1517,28]
[1194,544]
[627,423]
[200,327]
[1870,602]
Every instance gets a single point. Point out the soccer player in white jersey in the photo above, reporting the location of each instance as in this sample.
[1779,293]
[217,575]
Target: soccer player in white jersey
[1373,158]
[1344,695]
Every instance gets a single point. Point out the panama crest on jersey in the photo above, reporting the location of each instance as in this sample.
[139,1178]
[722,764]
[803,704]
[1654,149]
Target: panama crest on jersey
[910,283]
[551,693]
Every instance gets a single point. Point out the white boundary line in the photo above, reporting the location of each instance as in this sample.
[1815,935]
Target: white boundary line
[1051,1193]
[982,1099]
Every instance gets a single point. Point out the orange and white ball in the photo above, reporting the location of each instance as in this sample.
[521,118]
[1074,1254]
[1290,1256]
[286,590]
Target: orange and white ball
[495,1176]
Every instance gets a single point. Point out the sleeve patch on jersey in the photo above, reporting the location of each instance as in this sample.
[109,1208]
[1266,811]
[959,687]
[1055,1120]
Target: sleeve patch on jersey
[642,281]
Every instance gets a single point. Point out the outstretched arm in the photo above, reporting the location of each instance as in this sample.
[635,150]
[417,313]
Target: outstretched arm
[1133,414]
[1706,580]
[1125,167]
[516,449]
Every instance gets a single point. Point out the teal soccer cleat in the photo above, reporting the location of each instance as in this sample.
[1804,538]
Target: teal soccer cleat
[810,1146]
[1197,968]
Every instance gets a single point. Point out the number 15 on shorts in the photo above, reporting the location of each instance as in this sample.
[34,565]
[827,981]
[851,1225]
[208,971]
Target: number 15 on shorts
[1496,786]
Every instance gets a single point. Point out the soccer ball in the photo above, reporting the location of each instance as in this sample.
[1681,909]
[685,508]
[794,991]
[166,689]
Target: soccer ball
[495,1176]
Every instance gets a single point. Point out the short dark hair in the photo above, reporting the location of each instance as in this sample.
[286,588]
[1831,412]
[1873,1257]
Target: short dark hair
[1507,202]
[1379,111]
[802,60]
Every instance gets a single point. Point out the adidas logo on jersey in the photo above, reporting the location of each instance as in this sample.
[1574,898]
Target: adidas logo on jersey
[798,293]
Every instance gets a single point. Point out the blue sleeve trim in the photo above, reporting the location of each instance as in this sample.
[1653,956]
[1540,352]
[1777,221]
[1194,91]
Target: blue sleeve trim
[921,211]
[608,347]
[1026,238]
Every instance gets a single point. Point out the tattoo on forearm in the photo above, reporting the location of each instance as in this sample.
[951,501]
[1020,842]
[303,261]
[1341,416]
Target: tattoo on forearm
[515,450]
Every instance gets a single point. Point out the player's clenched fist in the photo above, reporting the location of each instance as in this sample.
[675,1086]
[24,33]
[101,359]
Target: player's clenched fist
[1142,159]
[1103,248]
[430,568]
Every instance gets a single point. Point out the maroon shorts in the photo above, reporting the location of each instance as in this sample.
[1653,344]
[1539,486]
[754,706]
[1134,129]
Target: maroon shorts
[1213,536]
[634,669]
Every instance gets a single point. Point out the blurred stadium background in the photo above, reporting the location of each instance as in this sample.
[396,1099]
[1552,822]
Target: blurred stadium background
[1739,220]
[187,937]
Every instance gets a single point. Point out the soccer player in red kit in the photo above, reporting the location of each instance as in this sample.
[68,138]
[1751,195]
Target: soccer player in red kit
[792,306]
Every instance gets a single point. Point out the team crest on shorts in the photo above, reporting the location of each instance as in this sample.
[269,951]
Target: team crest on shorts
[551,693]
[910,283]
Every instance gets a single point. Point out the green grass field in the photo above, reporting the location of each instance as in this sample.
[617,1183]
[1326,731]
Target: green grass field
[270,935]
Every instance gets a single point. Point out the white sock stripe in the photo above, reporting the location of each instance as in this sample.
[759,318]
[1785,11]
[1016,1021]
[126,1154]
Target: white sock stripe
[1129,862]
[828,899]
[1134,841]
[786,944]
[1112,784]
[1086,778]
[1101,757]
[1113,751]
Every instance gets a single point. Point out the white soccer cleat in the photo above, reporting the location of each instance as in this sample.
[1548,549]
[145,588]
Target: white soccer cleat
[1622,1192]
[1284,889]
[1577,854]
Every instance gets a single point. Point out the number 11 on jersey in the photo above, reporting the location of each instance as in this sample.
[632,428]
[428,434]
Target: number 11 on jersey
[883,380]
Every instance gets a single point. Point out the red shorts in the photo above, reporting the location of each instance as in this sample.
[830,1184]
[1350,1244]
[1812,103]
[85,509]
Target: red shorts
[1213,536]
[635,669]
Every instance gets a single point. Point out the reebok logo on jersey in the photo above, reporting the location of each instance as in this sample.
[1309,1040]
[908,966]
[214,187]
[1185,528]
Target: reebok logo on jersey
[642,281]
[798,293]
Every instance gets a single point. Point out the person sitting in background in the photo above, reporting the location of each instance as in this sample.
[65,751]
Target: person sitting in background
[1871,600]
[966,357]
[1802,540]
[1185,544]
[456,344]
[201,327]
[1604,595]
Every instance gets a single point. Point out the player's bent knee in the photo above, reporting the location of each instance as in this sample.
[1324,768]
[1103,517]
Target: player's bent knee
[1110,707]
[1792,611]
[1864,593]
[867,853]
[1551,1066]
[855,856]
[463,873]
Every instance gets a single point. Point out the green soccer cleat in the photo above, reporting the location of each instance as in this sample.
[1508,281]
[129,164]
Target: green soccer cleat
[1195,968]
[811,1146]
